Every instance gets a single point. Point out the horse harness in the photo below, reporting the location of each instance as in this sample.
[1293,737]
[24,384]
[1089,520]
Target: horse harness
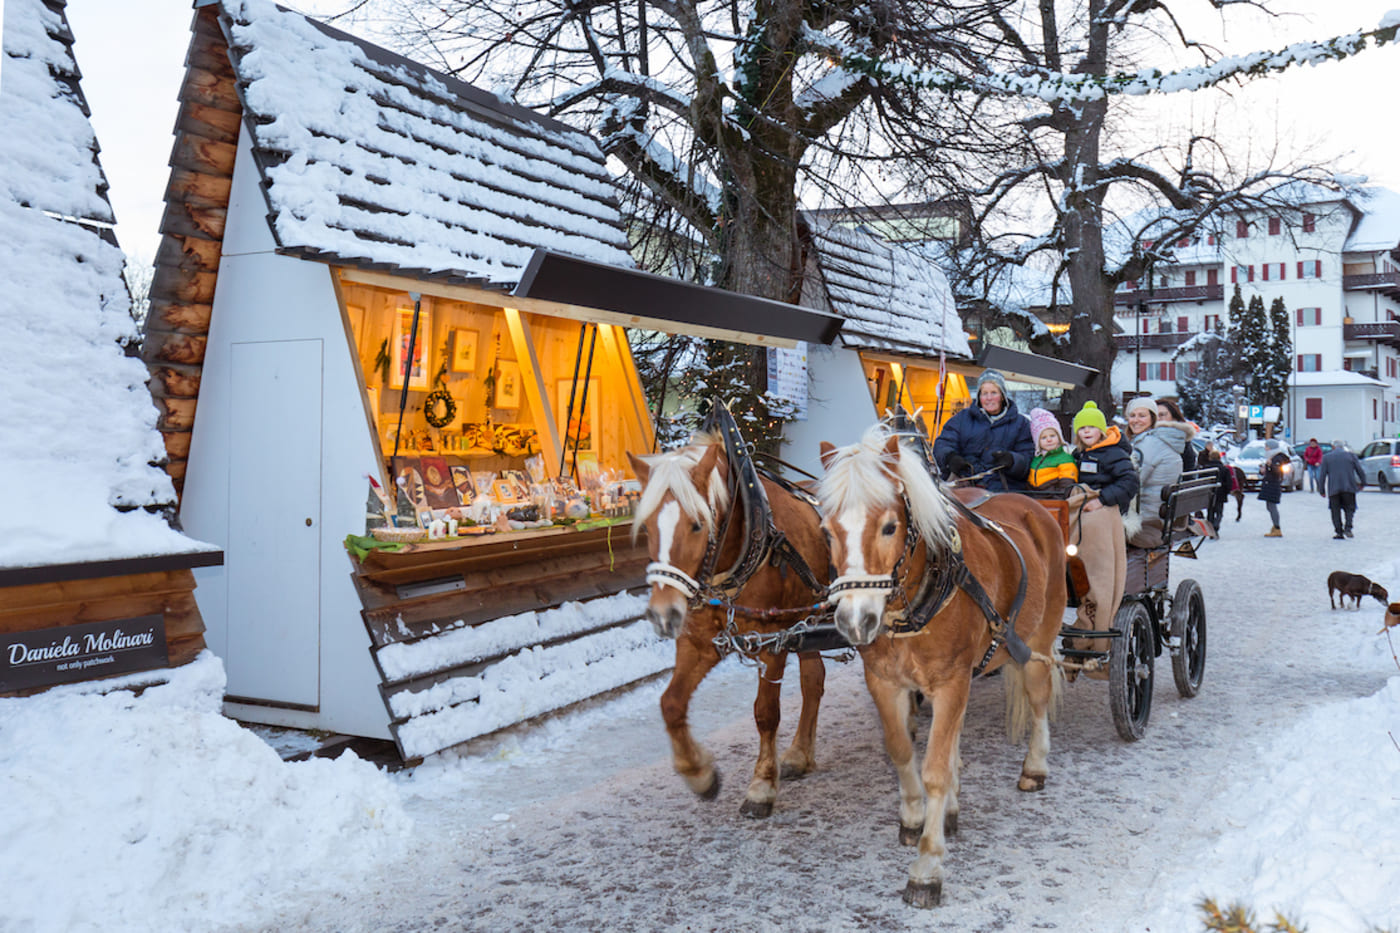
[761,541]
[936,590]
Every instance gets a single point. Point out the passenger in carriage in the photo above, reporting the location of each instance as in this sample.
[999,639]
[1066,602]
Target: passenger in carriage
[990,434]
[1105,466]
[1157,452]
[1169,415]
[1052,471]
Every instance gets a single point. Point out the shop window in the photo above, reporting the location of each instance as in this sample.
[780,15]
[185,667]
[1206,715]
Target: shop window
[1312,409]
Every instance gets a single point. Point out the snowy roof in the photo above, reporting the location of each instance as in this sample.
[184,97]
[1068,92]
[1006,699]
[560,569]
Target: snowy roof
[891,297]
[1334,377]
[76,421]
[1379,227]
[371,159]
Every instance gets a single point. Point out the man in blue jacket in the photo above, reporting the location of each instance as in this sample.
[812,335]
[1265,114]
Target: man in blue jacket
[1338,480]
[990,434]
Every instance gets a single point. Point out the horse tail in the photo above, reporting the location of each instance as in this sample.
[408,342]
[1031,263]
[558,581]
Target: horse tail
[1018,703]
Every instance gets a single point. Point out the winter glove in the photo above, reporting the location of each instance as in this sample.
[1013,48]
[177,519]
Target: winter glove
[1002,459]
[957,465]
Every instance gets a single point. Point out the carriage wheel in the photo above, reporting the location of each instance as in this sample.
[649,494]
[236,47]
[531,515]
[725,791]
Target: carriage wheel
[1130,659]
[1188,632]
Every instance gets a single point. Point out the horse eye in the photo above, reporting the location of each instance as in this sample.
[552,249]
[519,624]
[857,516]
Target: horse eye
[694,526]
[889,529]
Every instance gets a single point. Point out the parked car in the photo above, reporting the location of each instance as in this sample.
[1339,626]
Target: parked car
[1380,462]
[1251,457]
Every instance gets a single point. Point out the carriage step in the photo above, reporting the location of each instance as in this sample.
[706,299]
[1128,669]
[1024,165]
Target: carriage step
[1071,632]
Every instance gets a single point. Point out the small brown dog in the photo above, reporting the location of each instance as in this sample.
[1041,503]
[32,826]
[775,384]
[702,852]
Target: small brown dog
[1355,586]
[1392,616]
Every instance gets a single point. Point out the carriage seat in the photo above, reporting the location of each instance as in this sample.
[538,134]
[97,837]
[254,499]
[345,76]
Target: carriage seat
[1193,492]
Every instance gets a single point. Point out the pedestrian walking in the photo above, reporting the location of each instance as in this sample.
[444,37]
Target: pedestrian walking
[1312,459]
[1225,482]
[1271,483]
[1338,480]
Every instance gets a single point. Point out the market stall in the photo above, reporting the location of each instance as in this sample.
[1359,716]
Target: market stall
[388,328]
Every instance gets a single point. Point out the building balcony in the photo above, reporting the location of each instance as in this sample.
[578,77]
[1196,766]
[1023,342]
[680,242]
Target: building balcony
[1386,332]
[1136,296]
[1387,283]
[1151,341]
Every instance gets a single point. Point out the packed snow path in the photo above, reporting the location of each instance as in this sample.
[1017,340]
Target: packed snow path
[581,824]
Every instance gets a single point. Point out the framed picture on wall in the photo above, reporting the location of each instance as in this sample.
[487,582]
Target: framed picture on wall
[463,350]
[508,385]
[398,350]
[576,432]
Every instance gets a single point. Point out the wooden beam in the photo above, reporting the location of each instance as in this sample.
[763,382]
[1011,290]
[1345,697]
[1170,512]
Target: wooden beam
[167,347]
[497,299]
[203,155]
[199,189]
[179,317]
[189,252]
[184,286]
[177,444]
[211,90]
[177,381]
[176,414]
[534,384]
[186,220]
[208,122]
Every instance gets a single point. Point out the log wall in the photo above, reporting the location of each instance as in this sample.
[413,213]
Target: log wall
[192,231]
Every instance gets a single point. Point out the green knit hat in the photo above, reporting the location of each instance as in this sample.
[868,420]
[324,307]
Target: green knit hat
[1090,416]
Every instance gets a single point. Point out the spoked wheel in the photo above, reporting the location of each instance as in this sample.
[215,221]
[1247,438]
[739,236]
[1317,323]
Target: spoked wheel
[1188,634]
[1130,659]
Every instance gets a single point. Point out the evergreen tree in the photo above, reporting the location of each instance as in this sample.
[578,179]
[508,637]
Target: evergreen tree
[1252,341]
[1271,379]
[1208,397]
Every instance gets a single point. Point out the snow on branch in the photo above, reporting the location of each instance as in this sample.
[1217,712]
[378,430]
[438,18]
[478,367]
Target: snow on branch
[1050,86]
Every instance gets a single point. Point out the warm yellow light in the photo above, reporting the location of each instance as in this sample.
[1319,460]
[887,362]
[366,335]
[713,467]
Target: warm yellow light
[1057,328]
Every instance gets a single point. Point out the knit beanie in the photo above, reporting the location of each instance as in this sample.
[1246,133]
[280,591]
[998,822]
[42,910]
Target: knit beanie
[1090,416]
[1142,401]
[1040,420]
[995,378]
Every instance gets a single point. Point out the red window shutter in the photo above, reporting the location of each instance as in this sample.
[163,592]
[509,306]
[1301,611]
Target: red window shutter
[1181,327]
[1274,226]
[1282,271]
[1210,240]
[1251,273]
[1183,242]
[1241,229]
[1300,362]
[1190,277]
[1309,226]
[1132,283]
[1142,371]
[1234,274]
[1314,409]
[1171,371]
[1317,268]
[1300,317]
[1266,271]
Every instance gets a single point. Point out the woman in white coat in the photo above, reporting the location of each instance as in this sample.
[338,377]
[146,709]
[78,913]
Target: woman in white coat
[1157,448]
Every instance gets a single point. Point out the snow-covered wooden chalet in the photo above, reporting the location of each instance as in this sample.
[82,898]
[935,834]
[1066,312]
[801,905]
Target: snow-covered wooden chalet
[370,269]
[94,582]
[901,330]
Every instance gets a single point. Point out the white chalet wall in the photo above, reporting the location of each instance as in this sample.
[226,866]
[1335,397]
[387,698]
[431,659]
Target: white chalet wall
[839,407]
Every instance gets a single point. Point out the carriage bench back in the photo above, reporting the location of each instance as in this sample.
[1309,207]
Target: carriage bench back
[1193,492]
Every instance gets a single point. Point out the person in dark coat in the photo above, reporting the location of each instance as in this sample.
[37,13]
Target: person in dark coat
[1225,484]
[1271,483]
[1338,480]
[988,434]
[1105,462]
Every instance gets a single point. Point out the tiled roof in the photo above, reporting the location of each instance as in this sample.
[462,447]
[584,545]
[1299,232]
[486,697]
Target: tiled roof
[891,297]
[373,160]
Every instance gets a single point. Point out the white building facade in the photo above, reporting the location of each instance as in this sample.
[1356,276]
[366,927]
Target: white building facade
[1336,263]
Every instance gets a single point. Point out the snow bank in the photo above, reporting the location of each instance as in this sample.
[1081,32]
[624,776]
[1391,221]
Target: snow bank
[203,818]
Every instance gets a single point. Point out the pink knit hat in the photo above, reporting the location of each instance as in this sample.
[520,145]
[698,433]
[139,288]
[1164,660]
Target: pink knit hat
[1040,420]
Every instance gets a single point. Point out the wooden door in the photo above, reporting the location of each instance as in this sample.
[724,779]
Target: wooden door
[272,558]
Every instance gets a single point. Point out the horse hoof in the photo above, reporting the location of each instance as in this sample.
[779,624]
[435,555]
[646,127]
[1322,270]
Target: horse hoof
[791,772]
[1031,782]
[711,792]
[910,835]
[923,896]
[755,810]
[950,824]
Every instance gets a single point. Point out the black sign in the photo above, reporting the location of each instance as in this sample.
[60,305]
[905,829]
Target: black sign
[81,652]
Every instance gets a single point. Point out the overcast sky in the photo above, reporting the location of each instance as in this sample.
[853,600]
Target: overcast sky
[131,53]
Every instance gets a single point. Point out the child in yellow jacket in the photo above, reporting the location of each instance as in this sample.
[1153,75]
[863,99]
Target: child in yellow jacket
[1053,471]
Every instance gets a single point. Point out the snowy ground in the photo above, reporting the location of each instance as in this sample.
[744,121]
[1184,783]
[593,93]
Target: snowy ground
[1276,786]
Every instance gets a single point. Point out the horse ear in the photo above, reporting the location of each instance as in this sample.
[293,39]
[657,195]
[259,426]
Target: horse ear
[828,454]
[889,458]
[700,476]
[639,467]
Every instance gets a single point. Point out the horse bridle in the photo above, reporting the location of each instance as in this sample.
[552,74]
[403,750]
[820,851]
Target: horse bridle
[937,590]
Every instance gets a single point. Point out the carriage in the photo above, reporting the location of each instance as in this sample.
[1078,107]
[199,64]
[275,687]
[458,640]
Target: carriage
[1151,619]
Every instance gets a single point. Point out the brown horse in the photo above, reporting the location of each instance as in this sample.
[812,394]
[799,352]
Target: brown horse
[685,495]
[894,534]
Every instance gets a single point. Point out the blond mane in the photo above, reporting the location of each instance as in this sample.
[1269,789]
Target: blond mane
[670,473]
[857,478]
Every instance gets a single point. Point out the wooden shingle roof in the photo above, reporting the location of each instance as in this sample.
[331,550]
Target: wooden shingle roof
[891,297]
[372,160]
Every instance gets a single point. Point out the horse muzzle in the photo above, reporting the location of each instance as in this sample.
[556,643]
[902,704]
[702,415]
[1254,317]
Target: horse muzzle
[667,619]
[858,618]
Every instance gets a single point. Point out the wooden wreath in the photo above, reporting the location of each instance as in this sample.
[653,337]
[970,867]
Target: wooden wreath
[439,408]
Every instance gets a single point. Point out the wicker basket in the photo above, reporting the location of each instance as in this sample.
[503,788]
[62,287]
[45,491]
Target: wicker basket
[399,535]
